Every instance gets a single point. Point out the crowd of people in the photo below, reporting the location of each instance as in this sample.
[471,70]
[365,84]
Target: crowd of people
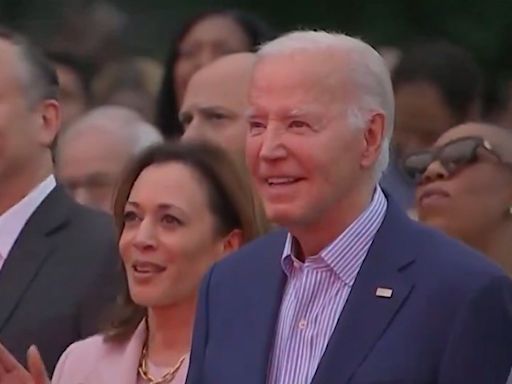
[261,208]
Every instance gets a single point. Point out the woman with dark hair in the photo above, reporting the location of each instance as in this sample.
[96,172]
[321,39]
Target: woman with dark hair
[201,40]
[179,208]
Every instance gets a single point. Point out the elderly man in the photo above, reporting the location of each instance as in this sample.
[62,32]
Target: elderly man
[352,291]
[58,259]
[216,102]
[92,153]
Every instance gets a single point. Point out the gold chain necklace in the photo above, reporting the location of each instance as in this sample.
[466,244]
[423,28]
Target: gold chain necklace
[166,378]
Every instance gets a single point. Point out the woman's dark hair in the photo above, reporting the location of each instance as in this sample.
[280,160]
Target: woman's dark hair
[166,115]
[449,68]
[230,200]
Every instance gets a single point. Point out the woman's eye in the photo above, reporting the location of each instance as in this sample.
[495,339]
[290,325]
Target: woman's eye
[129,216]
[171,220]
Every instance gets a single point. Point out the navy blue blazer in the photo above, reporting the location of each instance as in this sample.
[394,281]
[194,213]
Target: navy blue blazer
[449,320]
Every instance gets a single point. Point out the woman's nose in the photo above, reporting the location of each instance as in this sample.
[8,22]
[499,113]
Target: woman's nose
[435,171]
[145,235]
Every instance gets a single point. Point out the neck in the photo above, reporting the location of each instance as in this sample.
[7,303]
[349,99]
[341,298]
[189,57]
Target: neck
[315,236]
[497,244]
[170,332]
[20,183]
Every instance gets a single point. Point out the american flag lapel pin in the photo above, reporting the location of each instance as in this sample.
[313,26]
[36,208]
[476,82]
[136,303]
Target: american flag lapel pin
[384,292]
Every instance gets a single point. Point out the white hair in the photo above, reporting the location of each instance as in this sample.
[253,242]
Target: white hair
[125,124]
[364,69]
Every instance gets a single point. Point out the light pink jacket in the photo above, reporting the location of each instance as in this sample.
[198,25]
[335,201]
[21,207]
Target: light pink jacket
[93,361]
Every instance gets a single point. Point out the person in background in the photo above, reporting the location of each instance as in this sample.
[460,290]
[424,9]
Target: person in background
[215,109]
[180,208]
[74,76]
[350,290]
[465,188]
[93,152]
[437,86]
[216,103]
[500,112]
[132,83]
[58,259]
[91,30]
[200,41]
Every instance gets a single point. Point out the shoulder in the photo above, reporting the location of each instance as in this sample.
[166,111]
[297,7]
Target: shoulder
[80,359]
[448,262]
[255,254]
[99,223]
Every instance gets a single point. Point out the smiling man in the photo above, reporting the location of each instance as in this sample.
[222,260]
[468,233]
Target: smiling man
[352,291]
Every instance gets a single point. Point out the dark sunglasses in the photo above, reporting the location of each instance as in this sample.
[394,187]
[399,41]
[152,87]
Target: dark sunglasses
[453,156]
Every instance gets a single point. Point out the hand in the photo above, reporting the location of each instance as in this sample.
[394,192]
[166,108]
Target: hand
[12,372]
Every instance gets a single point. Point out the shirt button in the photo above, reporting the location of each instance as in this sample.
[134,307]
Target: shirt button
[302,324]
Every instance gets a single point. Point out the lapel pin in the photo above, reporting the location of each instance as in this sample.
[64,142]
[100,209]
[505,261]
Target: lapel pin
[384,292]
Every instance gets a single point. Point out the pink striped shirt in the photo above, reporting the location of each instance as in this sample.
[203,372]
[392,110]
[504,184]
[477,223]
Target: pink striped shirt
[315,294]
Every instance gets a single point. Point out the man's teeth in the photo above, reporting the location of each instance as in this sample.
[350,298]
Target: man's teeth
[280,180]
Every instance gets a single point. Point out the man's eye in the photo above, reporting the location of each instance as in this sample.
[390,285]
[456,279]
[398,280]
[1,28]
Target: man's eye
[185,120]
[298,124]
[256,127]
[216,116]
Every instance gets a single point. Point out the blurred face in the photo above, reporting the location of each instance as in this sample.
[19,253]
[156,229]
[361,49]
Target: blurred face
[169,239]
[23,136]
[134,99]
[72,94]
[89,165]
[469,198]
[304,157]
[215,107]
[208,40]
[421,117]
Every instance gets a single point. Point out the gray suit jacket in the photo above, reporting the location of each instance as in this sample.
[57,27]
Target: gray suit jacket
[58,278]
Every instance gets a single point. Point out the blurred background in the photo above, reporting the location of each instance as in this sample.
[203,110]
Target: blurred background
[483,27]
[105,31]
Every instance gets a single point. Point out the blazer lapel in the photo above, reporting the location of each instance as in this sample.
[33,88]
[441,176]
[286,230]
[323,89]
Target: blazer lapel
[368,313]
[29,252]
[266,301]
[124,365]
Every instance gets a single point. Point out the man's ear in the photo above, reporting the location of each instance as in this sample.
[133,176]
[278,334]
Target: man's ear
[374,135]
[48,113]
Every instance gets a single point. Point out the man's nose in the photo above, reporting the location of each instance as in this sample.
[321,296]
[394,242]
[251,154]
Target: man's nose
[273,147]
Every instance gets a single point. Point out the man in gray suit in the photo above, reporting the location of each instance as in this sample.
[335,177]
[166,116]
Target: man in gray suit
[58,260]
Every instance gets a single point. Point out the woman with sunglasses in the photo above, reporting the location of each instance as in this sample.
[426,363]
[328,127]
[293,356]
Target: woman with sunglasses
[464,188]
[179,208]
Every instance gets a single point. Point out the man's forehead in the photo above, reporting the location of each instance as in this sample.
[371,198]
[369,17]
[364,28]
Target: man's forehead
[284,110]
[9,61]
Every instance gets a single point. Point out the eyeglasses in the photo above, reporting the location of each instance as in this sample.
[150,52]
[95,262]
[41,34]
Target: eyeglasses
[453,156]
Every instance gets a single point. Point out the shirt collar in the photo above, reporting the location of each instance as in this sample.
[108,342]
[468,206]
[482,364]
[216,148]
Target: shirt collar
[15,218]
[347,252]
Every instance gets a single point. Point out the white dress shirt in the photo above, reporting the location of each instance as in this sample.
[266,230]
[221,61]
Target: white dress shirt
[15,218]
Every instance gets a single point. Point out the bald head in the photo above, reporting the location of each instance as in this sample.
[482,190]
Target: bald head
[93,151]
[499,138]
[216,101]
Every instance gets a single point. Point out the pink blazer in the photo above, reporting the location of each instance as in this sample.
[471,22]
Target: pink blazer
[93,361]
